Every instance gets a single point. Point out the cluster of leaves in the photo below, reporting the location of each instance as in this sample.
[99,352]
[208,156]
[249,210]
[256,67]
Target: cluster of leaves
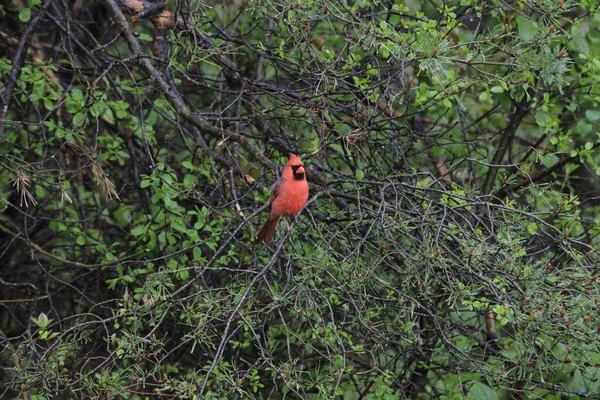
[449,249]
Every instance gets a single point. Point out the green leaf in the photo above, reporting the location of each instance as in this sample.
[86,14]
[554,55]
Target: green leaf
[584,127]
[78,119]
[383,51]
[25,14]
[123,216]
[592,115]
[145,183]
[579,41]
[178,224]
[42,321]
[578,382]
[138,231]
[145,37]
[189,181]
[197,253]
[527,29]
[480,391]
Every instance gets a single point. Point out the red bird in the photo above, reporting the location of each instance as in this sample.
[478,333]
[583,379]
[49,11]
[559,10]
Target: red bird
[288,195]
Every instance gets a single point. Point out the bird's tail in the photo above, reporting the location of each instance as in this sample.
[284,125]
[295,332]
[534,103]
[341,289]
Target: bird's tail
[267,231]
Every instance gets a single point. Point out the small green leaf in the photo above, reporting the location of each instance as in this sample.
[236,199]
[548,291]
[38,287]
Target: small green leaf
[383,51]
[138,231]
[579,41]
[359,174]
[41,321]
[527,29]
[592,115]
[178,224]
[78,119]
[189,181]
[188,165]
[25,15]
[197,253]
[584,127]
[578,382]
[145,37]
[480,391]
[145,183]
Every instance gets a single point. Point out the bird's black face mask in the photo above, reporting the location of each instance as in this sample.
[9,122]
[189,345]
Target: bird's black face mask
[298,171]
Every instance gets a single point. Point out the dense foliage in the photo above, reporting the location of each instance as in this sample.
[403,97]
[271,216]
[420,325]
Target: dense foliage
[449,248]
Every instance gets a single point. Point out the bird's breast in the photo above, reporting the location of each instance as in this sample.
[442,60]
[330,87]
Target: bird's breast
[290,199]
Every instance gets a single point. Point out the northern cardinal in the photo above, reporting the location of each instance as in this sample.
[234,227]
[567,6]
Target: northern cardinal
[288,195]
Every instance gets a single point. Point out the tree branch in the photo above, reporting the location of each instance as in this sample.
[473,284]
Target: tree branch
[174,97]
[18,62]
[508,134]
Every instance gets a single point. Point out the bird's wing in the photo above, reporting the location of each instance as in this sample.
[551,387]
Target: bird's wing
[275,190]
